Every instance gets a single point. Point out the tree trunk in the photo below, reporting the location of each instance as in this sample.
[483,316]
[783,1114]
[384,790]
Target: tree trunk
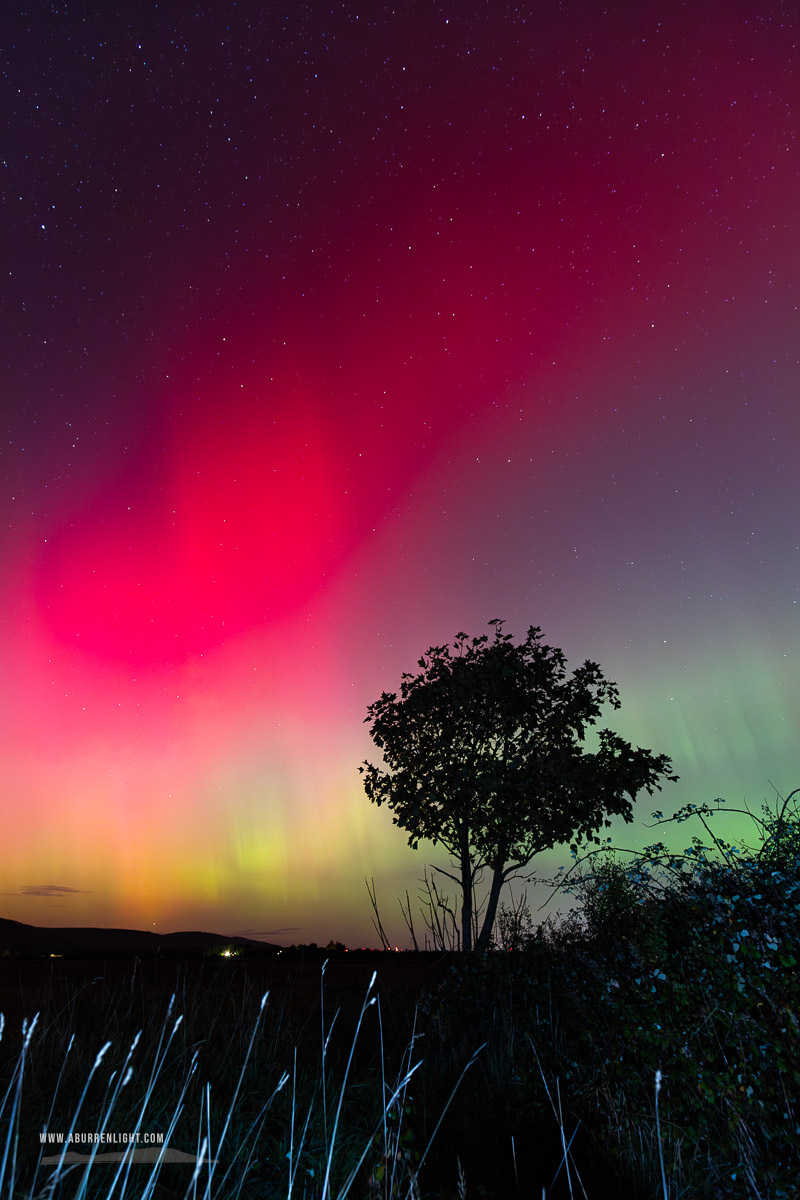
[498,879]
[466,889]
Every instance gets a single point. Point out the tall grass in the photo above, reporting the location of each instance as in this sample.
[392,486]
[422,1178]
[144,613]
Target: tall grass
[273,1122]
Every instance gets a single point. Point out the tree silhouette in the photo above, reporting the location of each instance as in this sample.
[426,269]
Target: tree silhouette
[483,756]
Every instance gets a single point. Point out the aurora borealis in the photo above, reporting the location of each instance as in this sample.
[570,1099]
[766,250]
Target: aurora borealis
[332,330]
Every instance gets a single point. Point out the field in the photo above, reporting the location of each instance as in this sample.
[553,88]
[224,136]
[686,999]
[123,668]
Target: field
[219,1001]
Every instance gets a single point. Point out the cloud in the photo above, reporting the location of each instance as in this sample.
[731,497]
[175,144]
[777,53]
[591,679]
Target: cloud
[256,933]
[47,889]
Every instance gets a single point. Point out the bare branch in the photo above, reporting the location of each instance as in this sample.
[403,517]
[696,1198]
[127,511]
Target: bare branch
[376,920]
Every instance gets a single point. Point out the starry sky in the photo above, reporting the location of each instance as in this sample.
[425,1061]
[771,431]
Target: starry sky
[331,330]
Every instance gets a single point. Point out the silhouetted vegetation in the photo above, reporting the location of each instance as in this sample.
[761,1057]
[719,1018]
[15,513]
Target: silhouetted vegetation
[484,756]
[675,980]
[647,1044]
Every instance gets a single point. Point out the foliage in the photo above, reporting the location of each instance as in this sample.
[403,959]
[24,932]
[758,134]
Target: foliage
[680,963]
[483,755]
[514,925]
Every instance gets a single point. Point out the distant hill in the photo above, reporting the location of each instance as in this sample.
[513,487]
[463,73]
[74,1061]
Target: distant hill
[36,939]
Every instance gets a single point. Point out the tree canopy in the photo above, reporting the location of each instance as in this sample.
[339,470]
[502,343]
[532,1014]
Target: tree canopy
[483,755]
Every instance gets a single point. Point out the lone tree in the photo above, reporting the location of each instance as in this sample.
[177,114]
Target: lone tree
[483,756]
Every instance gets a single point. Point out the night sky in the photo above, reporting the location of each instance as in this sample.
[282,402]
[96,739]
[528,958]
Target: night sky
[330,331]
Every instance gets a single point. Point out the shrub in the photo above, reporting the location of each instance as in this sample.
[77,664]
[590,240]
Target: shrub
[679,964]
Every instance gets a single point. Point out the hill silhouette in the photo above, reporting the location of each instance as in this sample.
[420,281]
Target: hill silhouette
[18,938]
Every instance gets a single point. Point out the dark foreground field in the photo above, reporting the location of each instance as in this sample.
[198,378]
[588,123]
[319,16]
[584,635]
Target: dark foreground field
[494,1150]
[490,1139]
[646,1046]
